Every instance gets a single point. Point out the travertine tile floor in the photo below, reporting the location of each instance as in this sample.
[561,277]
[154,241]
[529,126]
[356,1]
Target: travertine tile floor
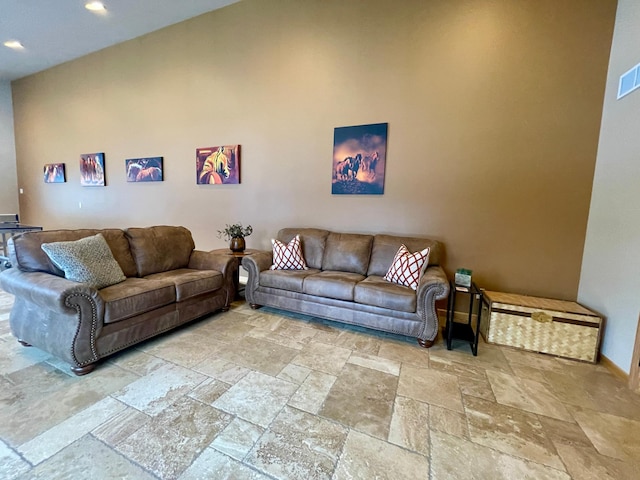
[264,395]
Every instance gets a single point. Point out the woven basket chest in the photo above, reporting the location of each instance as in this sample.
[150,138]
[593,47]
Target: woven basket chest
[557,327]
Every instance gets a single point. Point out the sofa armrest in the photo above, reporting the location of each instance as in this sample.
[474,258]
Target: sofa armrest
[254,264]
[54,314]
[46,290]
[434,277]
[225,264]
[433,286]
[211,261]
[261,261]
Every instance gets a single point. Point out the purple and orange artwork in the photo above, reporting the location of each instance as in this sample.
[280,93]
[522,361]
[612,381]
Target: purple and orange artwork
[218,165]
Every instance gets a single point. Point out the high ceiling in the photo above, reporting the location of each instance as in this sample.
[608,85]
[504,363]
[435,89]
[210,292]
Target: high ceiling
[56,31]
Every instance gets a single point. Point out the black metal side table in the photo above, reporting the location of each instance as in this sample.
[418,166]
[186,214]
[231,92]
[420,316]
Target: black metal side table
[464,331]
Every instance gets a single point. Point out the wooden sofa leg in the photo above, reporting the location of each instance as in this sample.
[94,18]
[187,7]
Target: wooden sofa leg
[84,369]
[255,306]
[425,343]
[23,343]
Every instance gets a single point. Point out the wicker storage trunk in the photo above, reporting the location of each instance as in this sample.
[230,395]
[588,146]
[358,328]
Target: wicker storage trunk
[556,327]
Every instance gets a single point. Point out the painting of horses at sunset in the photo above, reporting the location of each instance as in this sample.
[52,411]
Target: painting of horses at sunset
[359,159]
[218,165]
[144,169]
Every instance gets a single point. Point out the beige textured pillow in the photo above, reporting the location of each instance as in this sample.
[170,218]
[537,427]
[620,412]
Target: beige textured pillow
[88,260]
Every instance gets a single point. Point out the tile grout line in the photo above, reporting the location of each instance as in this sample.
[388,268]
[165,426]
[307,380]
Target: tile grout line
[479,391]
[523,459]
[129,460]
[18,453]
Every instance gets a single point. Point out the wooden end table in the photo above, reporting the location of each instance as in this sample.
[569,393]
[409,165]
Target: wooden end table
[238,257]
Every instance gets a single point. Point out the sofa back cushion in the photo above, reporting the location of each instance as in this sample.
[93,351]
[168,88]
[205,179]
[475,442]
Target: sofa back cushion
[26,252]
[348,252]
[386,246]
[313,243]
[160,249]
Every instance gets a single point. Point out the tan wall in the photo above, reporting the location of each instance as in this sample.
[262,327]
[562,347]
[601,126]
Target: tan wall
[8,175]
[493,109]
[610,281]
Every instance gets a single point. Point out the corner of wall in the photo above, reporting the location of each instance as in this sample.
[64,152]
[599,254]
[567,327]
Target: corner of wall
[9,178]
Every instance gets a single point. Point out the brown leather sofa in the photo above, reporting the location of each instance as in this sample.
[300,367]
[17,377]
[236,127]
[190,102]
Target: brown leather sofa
[168,283]
[345,282]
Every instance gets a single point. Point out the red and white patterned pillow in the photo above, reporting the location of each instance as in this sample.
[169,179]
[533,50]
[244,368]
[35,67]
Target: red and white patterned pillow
[288,257]
[406,268]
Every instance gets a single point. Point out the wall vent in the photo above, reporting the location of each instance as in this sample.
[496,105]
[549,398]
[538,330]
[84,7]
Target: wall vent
[629,81]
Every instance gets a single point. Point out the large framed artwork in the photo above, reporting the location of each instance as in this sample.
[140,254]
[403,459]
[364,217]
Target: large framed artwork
[54,173]
[218,165]
[144,169]
[92,170]
[359,159]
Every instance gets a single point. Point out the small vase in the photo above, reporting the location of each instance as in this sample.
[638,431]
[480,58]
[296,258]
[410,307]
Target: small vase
[237,244]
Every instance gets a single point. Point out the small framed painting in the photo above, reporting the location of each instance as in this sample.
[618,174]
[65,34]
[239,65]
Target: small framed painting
[54,173]
[218,165]
[144,169]
[359,159]
[92,170]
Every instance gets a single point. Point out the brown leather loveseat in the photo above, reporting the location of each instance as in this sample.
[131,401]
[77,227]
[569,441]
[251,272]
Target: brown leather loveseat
[344,282]
[168,283]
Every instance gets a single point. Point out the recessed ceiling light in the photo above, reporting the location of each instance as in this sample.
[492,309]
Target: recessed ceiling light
[94,6]
[15,44]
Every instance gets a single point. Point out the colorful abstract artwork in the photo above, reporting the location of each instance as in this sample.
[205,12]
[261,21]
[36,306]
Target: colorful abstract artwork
[92,170]
[218,165]
[144,169]
[54,173]
[359,159]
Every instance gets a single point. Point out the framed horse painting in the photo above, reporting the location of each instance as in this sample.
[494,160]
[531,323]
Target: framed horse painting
[218,165]
[92,170]
[54,173]
[359,159]
[144,169]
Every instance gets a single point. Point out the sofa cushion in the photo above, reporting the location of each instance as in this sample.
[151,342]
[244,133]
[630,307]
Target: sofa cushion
[30,257]
[88,260]
[119,246]
[385,248]
[190,283]
[289,256]
[313,243]
[407,268]
[376,291]
[347,252]
[286,279]
[332,284]
[160,249]
[135,296]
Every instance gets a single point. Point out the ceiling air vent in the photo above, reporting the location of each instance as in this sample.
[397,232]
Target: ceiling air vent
[629,81]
